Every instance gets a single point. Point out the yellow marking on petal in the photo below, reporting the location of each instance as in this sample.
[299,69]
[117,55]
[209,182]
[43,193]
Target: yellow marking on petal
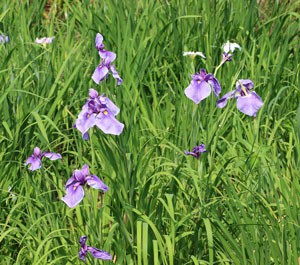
[75,187]
[199,81]
[105,112]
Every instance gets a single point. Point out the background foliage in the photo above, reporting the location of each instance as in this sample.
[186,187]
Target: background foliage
[237,204]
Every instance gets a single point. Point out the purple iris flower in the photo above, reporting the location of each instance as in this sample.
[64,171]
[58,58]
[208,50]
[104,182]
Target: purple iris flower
[74,185]
[3,38]
[201,86]
[248,101]
[35,160]
[105,65]
[97,253]
[99,111]
[197,150]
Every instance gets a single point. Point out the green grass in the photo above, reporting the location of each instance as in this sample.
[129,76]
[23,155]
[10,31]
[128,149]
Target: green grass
[238,204]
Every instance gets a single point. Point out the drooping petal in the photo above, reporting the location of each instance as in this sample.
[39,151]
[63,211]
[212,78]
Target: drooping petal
[107,56]
[249,104]
[100,73]
[116,75]
[81,254]
[52,156]
[35,163]
[194,54]
[85,122]
[75,194]
[197,91]
[214,83]
[191,153]
[221,103]
[107,122]
[99,41]
[96,183]
[99,254]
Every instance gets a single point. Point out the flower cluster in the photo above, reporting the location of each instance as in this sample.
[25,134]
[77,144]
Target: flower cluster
[248,102]
[98,111]
[105,65]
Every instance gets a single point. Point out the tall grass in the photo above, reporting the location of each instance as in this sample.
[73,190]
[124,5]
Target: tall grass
[238,204]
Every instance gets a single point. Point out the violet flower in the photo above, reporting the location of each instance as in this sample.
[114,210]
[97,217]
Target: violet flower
[74,186]
[97,253]
[99,111]
[105,65]
[3,38]
[35,160]
[248,101]
[44,40]
[197,150]
[201,86]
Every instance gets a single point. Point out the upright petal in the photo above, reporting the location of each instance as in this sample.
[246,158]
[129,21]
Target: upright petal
[116,75]
[99,41]
[75,194]
[221,103]
[37,151]
[96,183]
[107,122]
[99,254]
[85,170]
[249,104]
[197,91]
[247,83]
[52,156]
[93,93]
[100,73]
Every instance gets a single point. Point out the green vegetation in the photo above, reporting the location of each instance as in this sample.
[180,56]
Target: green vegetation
[238,204]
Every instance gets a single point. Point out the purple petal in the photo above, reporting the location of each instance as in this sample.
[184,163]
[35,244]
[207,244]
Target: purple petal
[107,122]
[96,183]
[99,41]
[100,73]
[71,180]
[52,156]
[215,85]
[249,104]
[82,240]
[247,83]
[37,151]
[199,149]
[191,153]
[116,75]
[93,93]
[85,121]
[109,104]
[79,176]
[75,194]
[107,56]
[86,136]
[35,163]
[221,103]
[81,254]
[85,170]
[197,91]
[99,254]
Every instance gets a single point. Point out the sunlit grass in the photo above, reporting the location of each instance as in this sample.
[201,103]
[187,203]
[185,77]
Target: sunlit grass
[238,204]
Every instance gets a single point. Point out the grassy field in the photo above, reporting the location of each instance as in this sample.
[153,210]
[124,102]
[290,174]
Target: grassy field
[239,203]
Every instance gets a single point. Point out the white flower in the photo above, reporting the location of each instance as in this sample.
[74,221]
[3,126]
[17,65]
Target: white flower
[230,47]
[44,40]
[194,54]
